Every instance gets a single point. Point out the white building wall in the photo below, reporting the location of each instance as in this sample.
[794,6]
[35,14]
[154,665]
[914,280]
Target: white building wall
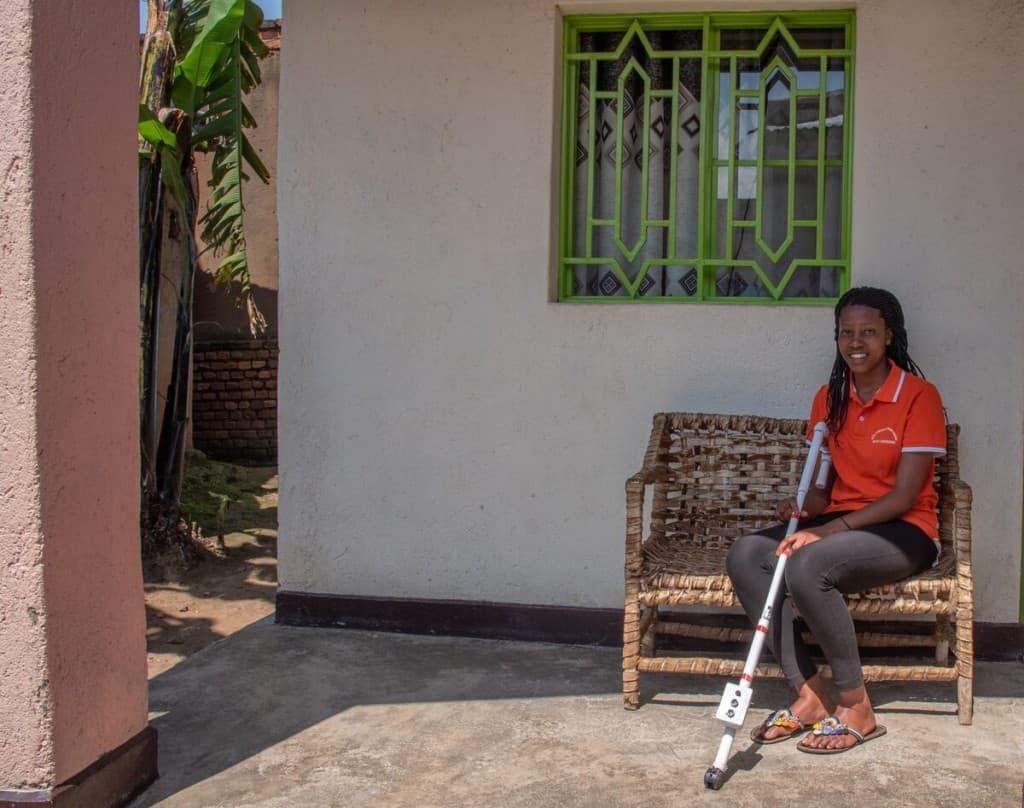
[449,432]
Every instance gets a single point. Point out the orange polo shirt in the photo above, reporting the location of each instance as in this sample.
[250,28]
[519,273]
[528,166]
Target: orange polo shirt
[905,415]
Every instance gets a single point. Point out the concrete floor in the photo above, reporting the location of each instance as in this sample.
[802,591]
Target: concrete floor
[275,716]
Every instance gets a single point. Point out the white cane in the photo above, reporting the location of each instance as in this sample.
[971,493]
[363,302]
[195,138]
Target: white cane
[732,711]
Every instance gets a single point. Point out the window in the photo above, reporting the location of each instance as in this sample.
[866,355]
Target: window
[706,157]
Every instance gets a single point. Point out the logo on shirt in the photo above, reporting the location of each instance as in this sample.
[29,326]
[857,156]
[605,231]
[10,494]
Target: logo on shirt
[885,435]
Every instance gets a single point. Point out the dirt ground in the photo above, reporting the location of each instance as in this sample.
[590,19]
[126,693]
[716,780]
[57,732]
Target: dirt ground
[235,582]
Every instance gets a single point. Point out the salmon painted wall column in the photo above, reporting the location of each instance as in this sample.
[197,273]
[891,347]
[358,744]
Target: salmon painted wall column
[72,622]
[26,739]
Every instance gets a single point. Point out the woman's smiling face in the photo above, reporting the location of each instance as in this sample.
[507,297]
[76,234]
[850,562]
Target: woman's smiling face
[863,337]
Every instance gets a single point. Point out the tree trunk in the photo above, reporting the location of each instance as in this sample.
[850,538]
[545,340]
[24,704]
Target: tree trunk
[170,452]
[154,92]
[166,537]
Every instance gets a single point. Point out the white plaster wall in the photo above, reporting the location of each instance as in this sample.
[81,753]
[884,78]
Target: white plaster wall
[447,432]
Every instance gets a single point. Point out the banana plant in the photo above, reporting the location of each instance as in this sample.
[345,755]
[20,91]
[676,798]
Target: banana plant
[200,59]
[219,69]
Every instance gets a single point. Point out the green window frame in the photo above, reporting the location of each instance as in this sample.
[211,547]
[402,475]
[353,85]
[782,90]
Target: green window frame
[706,157]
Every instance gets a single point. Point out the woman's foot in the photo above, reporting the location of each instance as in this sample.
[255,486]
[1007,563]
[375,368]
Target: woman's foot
[854,711]
[778,726]
[813,703]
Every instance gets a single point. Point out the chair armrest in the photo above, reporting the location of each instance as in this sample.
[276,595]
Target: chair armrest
[646,476]
[658,428]
[962,492]
[962,498]
[635,490]
[962,544]
[651,472]
[634,521]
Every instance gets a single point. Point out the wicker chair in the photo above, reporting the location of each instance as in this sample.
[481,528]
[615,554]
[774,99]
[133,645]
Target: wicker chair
[714,478]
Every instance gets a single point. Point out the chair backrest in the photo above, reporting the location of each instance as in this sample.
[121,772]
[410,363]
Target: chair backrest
[727,473]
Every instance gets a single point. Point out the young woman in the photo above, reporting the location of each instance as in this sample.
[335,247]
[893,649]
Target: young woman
[874,522]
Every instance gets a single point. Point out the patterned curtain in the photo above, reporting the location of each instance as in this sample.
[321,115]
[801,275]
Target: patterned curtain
[640,112]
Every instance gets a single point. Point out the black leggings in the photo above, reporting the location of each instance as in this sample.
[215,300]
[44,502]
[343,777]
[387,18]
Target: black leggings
[817,576]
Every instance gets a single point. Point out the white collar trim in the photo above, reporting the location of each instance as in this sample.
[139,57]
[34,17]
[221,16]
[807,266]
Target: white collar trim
[896,395]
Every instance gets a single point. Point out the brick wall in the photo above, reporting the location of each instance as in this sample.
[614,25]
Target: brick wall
[234,400]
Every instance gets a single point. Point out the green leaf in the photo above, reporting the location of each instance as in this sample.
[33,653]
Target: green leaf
[170,173]
[220,67]
[153,131]
[253,15]
[248,121]
[218,127]
[213,44]
[254,160]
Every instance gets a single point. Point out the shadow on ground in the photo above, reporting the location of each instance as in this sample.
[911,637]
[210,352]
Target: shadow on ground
[317,704]
[234,511]
[220,595]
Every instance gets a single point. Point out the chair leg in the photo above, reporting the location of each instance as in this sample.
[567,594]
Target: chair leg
[965,699]
[649,627]
[943,633]
[631,655]
[631,689]
[965,668]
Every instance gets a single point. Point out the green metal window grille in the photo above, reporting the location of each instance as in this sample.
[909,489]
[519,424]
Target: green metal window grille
[706,157]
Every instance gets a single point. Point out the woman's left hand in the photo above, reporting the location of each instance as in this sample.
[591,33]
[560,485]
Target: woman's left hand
[797,540]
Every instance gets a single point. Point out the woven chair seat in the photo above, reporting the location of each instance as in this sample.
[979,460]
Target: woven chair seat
[713,478]
[676,570]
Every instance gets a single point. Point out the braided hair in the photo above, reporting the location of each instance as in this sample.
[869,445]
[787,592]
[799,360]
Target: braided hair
[892,313]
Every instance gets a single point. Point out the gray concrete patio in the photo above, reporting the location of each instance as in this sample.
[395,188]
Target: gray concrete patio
[276,716]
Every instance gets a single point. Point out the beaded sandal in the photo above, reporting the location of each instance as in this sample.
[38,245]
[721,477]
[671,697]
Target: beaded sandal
[783,719]
[833,726]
